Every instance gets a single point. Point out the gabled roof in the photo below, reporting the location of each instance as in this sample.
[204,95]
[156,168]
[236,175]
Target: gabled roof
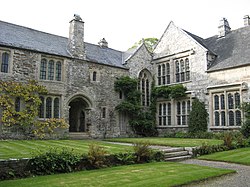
[233,50]
[12,35]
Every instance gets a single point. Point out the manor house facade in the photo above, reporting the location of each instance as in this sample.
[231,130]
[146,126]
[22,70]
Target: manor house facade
[80,76]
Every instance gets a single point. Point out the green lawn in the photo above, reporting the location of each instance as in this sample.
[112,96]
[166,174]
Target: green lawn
[25,148]
[151,174]
[240,156]
[175,142]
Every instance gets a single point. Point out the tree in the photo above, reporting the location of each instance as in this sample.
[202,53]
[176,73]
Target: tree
[149,42]
[197,117]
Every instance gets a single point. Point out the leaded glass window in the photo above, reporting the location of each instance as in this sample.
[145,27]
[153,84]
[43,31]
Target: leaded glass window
[5,62]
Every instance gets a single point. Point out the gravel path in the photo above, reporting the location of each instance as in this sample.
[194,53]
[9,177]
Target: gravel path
[239,179]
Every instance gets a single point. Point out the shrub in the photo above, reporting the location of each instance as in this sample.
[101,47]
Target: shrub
[208,149]
[197,117]
[228,140]
[124,158]
[54,161]
[96,156]
[245,129]
[142,151]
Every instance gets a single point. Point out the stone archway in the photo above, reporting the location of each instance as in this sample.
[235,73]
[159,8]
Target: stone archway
[78,114]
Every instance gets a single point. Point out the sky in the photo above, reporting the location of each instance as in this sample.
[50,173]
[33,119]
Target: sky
[124,22]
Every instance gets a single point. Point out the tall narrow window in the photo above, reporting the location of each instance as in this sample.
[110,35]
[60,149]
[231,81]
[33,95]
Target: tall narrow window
[51,70]
[143,92]
[163,74]
[58,71]
[168,73]
[223,118]
[216,118]
[182,70]
[222,101]
[56,108]
[94,76]
[159,74]
[216,102]
[48,107]
[231,118]
[177,71]
[169,113]
[164,114]
[5,62]
[41,108]
[178,113]
[147,93]
[187,69]
[238,117]
[145,80]
[183,112]
[237,100]
[43,69]
[103,112]
[160,115]
[230,101]
[17,104]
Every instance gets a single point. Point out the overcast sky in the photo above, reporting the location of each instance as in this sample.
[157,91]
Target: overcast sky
[124,22]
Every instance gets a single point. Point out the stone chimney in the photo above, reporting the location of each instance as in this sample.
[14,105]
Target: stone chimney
[246,20]
[76,45]
[224,28]
[103,43]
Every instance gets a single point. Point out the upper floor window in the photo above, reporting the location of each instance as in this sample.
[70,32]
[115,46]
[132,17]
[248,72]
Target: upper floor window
[50,70]
[94,76]
[182,71]
[17,104]
[4,62]
[163,74]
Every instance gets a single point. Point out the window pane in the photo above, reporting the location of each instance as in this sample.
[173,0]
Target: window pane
[94,76]
[41,108]
[164,109]
[160,121]
[143,92]
[230,101]
[188,107]
[216,119]
[178,120]
[183,108]
[169,109]
[182,76]
[163,70]
[168,79]
[238,117]
[216,102]
[5,62]
[159,70]
[104,112]
[231,118]
[177,68]
[160,109]
[51,70]
[48,107]
[43,69]
[56,108]
[167,68]
[237,99]
[187,75]
[147,93]
[164,121]
[58,71]
[222,101]
[178,108]
[187,64]
[223,119]
[178,77]
[182,66]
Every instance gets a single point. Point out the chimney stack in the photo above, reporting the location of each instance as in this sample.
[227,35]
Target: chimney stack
[76,45]
[224,28]
[103,43]
[246,20]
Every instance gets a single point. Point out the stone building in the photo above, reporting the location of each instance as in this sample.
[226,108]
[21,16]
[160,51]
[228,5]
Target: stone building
[80,76]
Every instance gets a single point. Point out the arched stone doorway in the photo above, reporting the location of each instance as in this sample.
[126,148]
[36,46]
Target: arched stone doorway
[78,114]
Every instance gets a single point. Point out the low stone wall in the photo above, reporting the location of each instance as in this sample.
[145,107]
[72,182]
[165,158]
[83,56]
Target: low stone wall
[13,168]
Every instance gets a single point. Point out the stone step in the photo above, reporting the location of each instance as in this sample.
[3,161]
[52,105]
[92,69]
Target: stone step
[78,136]
[179,158]
[176,154]
[172,149]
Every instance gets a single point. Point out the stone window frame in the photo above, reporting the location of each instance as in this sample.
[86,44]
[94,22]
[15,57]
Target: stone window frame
[163,73]
[94,75]
[10,60]
[49,69]
[182,69]
[53,110]
[226,112]
[174,115]
[144,86]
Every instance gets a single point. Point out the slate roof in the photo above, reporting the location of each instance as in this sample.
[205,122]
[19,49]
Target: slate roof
[231,51]
[12,35]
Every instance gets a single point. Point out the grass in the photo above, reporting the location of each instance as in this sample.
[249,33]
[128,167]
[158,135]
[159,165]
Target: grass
[146,175]
[240,156]
[175,142]
[25,148]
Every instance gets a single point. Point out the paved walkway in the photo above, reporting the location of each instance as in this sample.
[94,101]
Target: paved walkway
[239,179]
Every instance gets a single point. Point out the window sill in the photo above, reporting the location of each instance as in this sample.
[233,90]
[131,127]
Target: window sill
[50,81]
[174,83]
[224,127]
[172,126]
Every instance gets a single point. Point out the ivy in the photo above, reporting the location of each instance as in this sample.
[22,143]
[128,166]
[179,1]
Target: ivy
[169,92]
[26,119]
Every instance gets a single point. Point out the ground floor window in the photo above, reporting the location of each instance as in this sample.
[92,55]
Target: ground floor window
[173,112]
[226,108]
[49,107]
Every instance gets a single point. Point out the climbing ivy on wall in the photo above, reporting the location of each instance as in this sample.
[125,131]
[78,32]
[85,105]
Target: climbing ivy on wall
[141,120]
[169,92]
[25,120]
